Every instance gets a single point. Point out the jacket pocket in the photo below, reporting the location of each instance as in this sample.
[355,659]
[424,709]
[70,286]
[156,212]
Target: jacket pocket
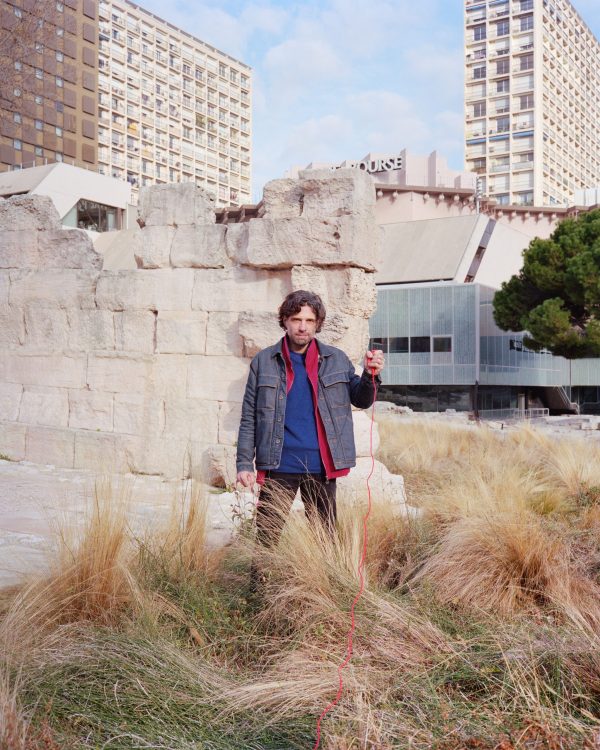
[266,392]
[336,388]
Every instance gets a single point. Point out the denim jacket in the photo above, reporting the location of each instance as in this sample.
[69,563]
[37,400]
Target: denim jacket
[261,432]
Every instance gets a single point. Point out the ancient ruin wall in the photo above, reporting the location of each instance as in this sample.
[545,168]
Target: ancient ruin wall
[143,370]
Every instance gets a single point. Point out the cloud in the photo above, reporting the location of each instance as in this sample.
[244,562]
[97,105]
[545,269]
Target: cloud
[300,64]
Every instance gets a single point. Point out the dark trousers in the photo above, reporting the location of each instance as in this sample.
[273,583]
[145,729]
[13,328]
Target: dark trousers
[276,498]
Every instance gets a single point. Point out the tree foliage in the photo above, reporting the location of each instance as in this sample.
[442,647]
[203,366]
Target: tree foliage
[556,295]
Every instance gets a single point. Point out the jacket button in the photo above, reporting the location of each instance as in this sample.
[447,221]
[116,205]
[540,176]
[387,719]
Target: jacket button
[279,419]
[277,440]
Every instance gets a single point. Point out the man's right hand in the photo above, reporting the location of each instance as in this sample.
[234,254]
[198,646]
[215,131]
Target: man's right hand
[246,478]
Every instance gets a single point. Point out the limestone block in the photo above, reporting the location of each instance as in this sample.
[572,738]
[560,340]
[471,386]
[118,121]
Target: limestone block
[362,433]
[216,378]
[168,376]
[219,468]
[223,334]
[28,212]
[136,414]
[53,370]
[153,247]
[49,445]
[135,331]
[119,249]
[259,330]
[360,293]
[167,456]
[118,372]
[53,288]
[99,452]
[336,193]
[348,333]
[239,289]
[91,329]
[193,419]
[10,401]
[236,239]
[44,406]
[46,329]
[384,485]
[12,327]
[68,248]
[4,286]
[336,241]
[282,199]
[176,204]
[160,289]
[181,332]
[19,249]
[199,246]
[12,441]
[90,410]
[229,422]
[349,290]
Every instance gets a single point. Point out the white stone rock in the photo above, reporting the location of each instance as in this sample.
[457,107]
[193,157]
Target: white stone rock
[384,485]
[12,327]
[10,401]
[135,331]
[118,372]
[282,199]
[341,192]
[229,422]
[349,334]
[46,329]
[68,248]
[53,288]
[12,441]
[219,467]
[193,419]
[54,370]
[199,246]
[176,204]
[4,287]
[91,329]
[259,330]
[158,455]
[168,377]
[99,452]
[239,289]
[19,249]
[118,249]
[48,445]
[223,334]
[362,433]
[216,378]
[153,247]
[90,410]
[160,289]
[136,414]
[28,212]
[181,332]
[44,406]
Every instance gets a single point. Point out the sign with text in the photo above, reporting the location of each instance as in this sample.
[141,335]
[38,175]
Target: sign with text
[386,164]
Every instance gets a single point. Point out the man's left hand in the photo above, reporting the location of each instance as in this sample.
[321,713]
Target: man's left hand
[374,361]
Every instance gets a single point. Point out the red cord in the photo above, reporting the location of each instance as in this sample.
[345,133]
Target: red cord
[361,564]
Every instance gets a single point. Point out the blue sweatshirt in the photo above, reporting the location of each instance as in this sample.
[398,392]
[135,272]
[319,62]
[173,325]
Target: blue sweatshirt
[300,453]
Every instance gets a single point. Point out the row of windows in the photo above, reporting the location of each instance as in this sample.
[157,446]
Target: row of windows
[412,344]
[502,28]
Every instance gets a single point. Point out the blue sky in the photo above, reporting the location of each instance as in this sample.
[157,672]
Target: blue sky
[336,79]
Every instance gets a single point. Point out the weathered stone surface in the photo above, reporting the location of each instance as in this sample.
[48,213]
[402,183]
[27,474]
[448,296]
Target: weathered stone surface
[223,335]
[219,466]
[90,410]
[161,289]
[118,373]
[258,330]
[4,287]
[53,288]
[192,418]
[181,332]
[136,414]
[283,199]
[12,327]
[165,456]
[56,370]
[46,329]
[349,290]
[153,246]
[199,246]
[168,377]
[176,204]
[384,485]
[350,334]
[91,329]
[99,452]
[10,401]
[229,422]
[44,406]
[47,445]
[336,241]
[68,248]
[238,289]
[12,441]
[362,433]
[28,212]
[216,378]
[19,249]
[118,249]
[336,193]
[135,331]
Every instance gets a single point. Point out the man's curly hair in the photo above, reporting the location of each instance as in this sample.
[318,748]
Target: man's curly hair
[292,304]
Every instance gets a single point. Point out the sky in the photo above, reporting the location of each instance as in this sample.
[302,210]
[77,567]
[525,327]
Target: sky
[337,79]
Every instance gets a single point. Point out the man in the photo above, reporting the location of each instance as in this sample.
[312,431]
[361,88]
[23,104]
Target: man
[296,421]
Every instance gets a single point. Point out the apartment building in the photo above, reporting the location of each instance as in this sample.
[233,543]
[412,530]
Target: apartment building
[170,107]
[532,101]
[48,95]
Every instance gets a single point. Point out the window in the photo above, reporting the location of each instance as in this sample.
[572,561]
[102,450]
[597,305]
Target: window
[39,151]
[60,7]
[479,164]
[39,125]
[58,156]
[479,33]
[502,28]
[58,131]
[39,47]
[442,343]
[59,56]
[59,82]
[16,91]
[378,343]
[39,73]
[502,67]
[59,106]
[60,32]
[479,72]
[503,124]
[527,101]
[17,117]
[17,145]
[222,70]
[39,99]
[503,86]
[502,199]
[17,12]
[526,5]
[398,345]
[526,23]
[420,344]
[479,109]
[18,65]
[526,62]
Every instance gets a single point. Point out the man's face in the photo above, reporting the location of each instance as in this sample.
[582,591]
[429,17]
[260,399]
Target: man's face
[301,328]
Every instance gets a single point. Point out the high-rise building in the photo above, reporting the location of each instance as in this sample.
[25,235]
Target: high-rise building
[532,100]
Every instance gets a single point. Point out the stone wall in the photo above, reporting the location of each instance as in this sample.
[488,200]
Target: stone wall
[143,370]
